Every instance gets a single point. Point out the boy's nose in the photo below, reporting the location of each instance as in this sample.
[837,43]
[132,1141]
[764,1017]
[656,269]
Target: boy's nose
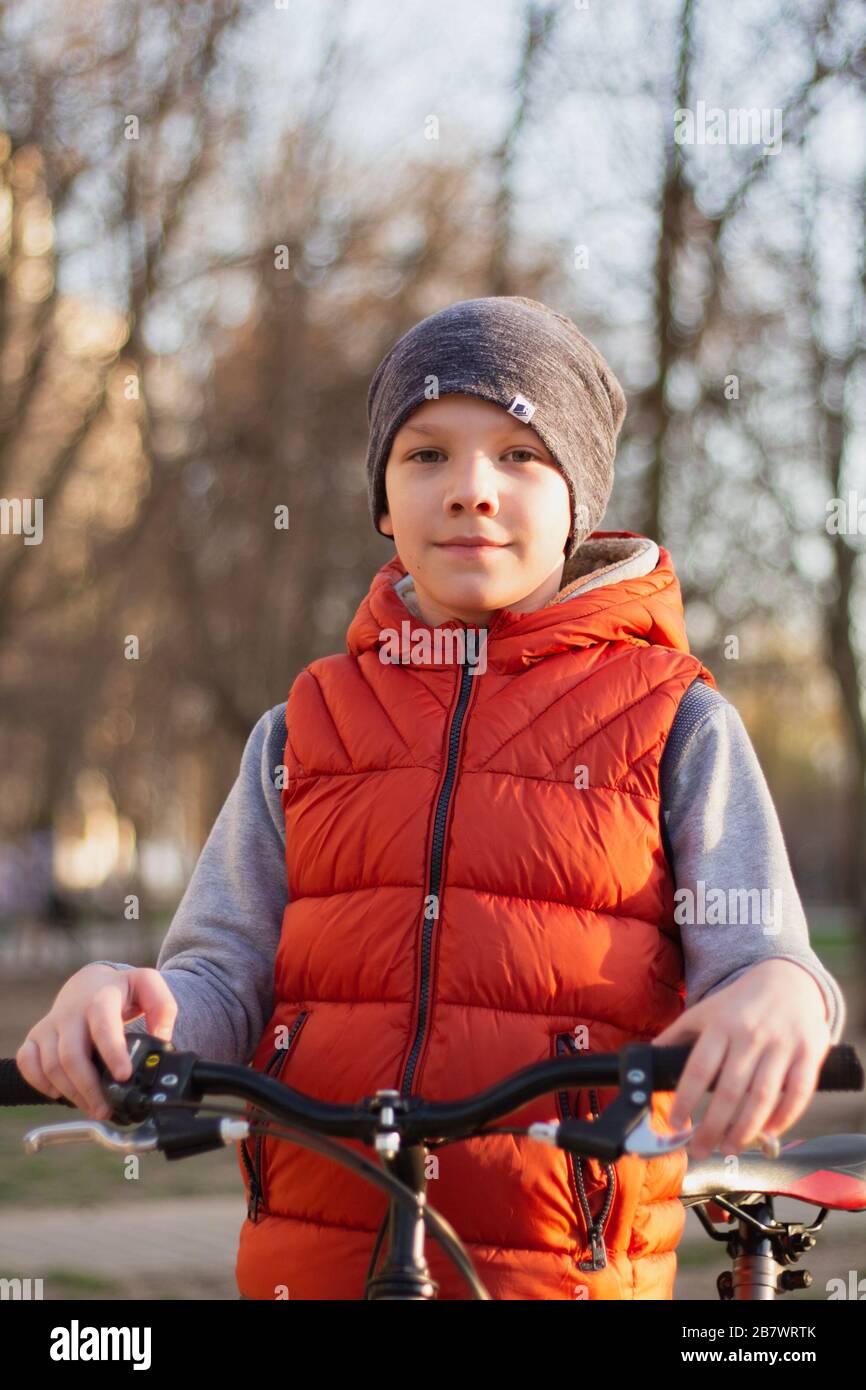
[472,479]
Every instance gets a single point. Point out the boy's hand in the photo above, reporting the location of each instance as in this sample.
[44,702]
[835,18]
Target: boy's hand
[762,1041]
[89,1012]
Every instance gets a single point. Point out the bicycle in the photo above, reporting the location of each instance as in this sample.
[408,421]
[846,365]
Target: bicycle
[166,1089]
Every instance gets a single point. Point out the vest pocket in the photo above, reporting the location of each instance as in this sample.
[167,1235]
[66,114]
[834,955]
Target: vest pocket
[594,1228]
[254,1161]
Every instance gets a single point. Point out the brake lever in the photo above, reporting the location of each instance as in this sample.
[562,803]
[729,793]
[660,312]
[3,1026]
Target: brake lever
[646,1142]
[591,1139]
[138,1140]
[174,1135]
[624,1127]
[160,1075]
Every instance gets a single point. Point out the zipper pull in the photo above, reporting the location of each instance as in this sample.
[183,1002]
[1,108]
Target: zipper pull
[596,1239]
[599,1254]
[253,1201]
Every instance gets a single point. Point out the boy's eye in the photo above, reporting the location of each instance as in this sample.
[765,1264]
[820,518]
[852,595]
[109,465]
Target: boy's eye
[529,455]
[528,452]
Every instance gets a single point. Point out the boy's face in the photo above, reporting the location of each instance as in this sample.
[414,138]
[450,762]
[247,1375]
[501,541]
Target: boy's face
[461,467]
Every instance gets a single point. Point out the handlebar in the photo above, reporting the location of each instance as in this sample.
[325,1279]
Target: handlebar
[166,1086]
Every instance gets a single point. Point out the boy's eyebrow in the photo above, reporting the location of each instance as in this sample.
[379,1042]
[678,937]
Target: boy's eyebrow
[440,429]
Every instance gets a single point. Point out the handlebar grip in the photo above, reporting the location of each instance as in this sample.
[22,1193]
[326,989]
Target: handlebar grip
[14,1090]
[841,1069]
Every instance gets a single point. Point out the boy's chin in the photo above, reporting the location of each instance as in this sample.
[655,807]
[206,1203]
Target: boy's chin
[470,598]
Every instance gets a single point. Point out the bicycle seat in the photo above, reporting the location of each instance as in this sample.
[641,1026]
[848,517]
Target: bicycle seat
[829,1171]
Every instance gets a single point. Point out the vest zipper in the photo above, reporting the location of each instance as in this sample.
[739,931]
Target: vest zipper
[466,679]
[594,1229]
[256,1167]
[598,1250]
[273,1067]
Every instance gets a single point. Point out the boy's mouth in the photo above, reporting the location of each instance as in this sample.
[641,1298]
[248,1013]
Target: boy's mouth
[472,543]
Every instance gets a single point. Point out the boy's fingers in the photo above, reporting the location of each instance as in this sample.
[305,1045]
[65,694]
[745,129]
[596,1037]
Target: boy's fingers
[30,1066]
[54,1069]
[704,1061]
[799,1087]
[762,1097]
[156,1000]
[73,1054]
[726,1097]
[106,1030]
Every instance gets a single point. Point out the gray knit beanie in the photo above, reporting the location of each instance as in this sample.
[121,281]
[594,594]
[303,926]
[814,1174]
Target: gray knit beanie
[519,354]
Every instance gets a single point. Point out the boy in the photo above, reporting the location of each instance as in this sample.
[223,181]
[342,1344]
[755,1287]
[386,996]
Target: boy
[482,861]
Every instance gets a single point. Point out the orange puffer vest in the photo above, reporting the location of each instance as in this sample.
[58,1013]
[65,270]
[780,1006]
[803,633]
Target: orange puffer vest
[524,802]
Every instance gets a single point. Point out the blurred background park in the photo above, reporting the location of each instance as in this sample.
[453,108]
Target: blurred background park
[214,221]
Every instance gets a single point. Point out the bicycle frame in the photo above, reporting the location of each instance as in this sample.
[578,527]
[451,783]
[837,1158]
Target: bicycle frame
[759,1251]
[405,1274]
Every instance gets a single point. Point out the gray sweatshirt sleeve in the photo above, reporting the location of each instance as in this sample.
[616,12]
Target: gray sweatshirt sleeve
[217,957]
[723,833]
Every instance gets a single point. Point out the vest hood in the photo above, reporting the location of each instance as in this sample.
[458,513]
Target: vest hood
[618,586]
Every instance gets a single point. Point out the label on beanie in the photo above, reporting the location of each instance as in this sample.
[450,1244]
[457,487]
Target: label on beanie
[521,408]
